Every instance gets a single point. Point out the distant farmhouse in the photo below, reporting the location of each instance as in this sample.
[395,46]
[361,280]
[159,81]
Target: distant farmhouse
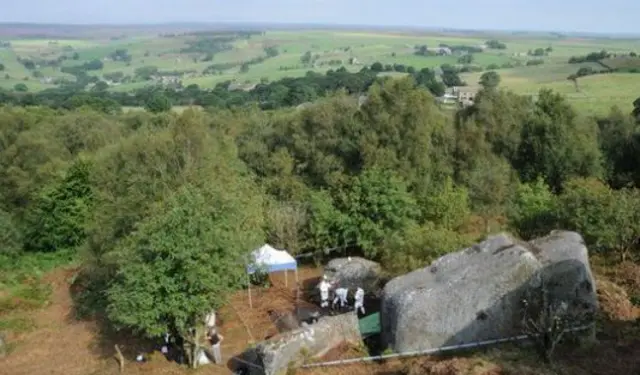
[461,95]
[235,86]
[441,51]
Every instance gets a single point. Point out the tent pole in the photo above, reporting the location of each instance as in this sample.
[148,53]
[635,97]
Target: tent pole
[249,284]
[286,278]
[297,286]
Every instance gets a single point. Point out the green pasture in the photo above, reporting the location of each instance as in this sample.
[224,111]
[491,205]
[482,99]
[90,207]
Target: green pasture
[594,94]
[326,45]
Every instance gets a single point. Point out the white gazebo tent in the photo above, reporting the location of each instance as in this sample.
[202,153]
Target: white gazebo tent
[271,260]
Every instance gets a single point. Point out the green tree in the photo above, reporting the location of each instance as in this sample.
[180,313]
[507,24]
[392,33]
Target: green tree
[607,219]
[183,260]
[1,67]
[327,226]
[557,144]
[636,109]
[10,236]
[489,80]
[451,78]
[286,223]
[20,87]
[100,86]
[532,210]
[377,204]
[619,140]
[418,245]
[377,67]
[465,59]
[306,58]
[158,103]
[448,206]
[57,218]
[490,184]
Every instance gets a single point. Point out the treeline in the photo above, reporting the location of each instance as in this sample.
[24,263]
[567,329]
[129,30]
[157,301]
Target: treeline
[282,93]
[165,208]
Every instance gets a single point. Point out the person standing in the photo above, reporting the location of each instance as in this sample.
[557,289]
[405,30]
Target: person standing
[359,300]
[341,295]
[324,292]
[165,346]
[215,339]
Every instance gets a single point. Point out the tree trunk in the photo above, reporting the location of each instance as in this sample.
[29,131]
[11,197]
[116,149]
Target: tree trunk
[186,348]
[120,358]
[195,347]
[623,254]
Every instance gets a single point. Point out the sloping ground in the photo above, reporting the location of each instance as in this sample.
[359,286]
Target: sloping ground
[61,345]
[621,63]
[64,347]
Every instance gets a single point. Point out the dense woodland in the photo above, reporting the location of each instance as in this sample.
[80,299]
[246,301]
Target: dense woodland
[162,209]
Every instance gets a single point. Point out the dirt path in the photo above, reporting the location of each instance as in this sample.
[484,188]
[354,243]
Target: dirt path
[59,345]
[62,345]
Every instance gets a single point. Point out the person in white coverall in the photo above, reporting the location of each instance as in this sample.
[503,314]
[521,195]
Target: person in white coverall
[359,297]
[324,292]
[341,295]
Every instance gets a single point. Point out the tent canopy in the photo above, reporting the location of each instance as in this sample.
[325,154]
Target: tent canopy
[272,260]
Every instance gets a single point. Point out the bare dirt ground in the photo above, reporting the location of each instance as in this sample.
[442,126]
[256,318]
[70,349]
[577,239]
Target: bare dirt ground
[62,345]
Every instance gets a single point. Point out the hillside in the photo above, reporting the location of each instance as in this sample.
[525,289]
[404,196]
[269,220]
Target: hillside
[129,214]
[56,333]
[136,59]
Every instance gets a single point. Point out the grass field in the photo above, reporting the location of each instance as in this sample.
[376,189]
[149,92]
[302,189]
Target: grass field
[596,93]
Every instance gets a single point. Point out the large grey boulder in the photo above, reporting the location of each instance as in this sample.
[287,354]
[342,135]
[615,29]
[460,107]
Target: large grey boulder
[354,272]
[476,294]
[315,340]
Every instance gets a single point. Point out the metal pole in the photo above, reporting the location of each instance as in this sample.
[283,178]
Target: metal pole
[430,351]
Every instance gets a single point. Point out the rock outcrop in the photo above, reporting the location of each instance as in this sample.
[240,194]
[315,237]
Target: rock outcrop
[354,272]
[476,294]
[315,340]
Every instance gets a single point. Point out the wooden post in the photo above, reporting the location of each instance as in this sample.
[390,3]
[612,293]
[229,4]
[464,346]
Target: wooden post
[286,281]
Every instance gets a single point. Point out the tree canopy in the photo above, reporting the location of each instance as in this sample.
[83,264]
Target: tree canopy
[162,208]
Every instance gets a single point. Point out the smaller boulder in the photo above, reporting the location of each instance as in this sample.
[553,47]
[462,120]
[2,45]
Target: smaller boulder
[284,321]
[295,347]
[354,272]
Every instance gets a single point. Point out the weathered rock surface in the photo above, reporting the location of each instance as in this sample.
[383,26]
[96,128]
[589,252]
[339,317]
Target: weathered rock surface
[476,293]
[312,340]
[354,272]
[284,320]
